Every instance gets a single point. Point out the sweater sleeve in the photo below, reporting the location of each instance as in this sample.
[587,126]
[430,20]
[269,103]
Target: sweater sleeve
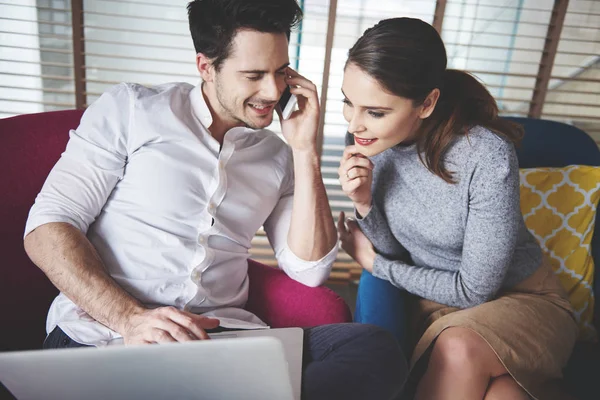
[375,226]
[489,243]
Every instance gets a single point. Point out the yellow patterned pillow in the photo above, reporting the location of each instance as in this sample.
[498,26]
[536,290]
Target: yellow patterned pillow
[559,208]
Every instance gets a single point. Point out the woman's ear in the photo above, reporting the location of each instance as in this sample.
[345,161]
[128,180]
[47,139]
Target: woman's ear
[429,104]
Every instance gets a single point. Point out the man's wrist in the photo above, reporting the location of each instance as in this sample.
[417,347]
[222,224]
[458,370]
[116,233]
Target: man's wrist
[123,321]
[306,160]
[309,153]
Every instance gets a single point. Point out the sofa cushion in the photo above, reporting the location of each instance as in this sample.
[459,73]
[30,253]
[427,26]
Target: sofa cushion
[559,208]
[31,145]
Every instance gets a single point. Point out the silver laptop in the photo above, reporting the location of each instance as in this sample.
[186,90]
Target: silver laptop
[235,365]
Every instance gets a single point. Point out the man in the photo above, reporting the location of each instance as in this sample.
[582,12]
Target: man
[145,222]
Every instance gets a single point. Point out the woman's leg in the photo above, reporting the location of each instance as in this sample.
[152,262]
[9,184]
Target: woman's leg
[382,304]
[505,387]
[462,366]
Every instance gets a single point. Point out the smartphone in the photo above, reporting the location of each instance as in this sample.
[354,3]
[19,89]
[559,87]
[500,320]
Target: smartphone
[287,102]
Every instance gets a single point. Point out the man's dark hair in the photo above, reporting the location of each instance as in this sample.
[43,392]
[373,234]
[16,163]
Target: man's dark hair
[214,23]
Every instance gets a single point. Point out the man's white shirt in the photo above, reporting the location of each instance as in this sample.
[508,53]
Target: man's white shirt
[171,214]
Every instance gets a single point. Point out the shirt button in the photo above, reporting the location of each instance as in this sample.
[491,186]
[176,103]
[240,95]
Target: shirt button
[211,206]
[201,240]
[196,275]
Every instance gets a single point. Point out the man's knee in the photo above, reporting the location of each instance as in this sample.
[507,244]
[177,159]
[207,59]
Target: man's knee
[376,352]
[354,340]
[382,349]
[362,361]
[387,363]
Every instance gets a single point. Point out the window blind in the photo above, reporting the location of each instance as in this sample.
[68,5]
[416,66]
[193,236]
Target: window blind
[539,58]
[573,94]
[36,69]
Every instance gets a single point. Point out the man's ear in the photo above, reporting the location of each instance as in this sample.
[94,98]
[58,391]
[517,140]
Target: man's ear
[429,104]
[205,67]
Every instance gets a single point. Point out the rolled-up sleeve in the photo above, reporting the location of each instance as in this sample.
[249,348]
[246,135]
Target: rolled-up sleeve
[277,226]
[83,178]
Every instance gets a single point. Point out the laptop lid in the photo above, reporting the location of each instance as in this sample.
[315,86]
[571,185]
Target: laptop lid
[238,368]
[292,340]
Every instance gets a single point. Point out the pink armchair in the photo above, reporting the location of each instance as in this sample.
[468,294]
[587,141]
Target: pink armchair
[29,147]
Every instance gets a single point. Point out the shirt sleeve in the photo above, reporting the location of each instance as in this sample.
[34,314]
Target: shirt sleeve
[277,226]
[489,244]
[79,184]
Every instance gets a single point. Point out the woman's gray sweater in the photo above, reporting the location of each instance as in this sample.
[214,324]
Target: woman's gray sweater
[456,244]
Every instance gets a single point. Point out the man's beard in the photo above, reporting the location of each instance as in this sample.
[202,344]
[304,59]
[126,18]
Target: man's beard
[223,103]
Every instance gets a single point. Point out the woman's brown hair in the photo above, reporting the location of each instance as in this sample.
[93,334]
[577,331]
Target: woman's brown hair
[408,59]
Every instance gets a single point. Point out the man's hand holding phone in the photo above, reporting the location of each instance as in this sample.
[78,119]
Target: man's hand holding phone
[300,128]
[287,103]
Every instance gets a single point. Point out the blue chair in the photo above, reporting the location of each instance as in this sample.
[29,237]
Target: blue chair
[554,144]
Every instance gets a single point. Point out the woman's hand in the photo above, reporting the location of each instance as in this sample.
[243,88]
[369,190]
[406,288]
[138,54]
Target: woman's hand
[355,243]
[356,176]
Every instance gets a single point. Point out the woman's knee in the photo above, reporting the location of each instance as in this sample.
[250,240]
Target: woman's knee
[463,349]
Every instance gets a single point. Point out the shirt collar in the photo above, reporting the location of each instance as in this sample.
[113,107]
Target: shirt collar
[199,106]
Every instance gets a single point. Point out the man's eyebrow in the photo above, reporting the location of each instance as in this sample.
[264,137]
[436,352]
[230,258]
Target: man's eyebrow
[260,71]
[369,107]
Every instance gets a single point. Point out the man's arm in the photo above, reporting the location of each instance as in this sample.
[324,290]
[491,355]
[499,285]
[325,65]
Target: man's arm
[72,264]
[300,228]
[312,233]
[72,197]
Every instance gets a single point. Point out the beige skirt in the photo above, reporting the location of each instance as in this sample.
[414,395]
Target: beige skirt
[530,327]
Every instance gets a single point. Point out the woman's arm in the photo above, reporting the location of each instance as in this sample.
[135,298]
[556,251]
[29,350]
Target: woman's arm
[490,238]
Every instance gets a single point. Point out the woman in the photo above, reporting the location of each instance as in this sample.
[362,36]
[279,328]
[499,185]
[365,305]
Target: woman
[433,176]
